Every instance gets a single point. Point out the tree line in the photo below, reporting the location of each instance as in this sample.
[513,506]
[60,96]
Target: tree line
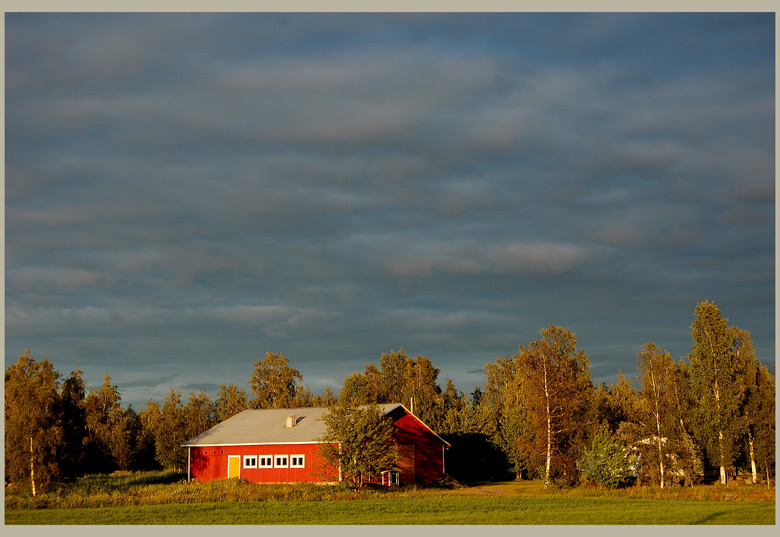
[538,415]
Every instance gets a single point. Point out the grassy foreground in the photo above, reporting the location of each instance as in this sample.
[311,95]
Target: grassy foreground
[158,498]
[454,510]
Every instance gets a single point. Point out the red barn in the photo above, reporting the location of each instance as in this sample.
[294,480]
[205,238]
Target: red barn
[280,446]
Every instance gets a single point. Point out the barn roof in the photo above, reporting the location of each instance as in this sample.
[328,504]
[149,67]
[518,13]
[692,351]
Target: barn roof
[268,426]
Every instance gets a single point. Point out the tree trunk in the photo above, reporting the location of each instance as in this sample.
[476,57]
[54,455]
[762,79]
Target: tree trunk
[752,458]
[32,467]
[767,473]
[722,458]
[549,430]
[661,461]
[657,413]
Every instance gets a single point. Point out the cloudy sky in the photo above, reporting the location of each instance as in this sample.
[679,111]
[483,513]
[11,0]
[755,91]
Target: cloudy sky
[184,193]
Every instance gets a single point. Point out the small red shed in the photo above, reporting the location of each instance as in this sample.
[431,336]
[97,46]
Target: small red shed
[280,446]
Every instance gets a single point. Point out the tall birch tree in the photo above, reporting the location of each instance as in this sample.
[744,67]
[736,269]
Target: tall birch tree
[33,426]
[716,383]
[758,403]
[656,404]
[555,381]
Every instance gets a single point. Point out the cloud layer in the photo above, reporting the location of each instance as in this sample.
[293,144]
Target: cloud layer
[185,193]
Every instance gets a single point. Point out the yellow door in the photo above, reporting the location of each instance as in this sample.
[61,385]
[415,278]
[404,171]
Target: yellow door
[234,466]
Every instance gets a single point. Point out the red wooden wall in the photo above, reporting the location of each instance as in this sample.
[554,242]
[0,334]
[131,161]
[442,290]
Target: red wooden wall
[207,463]
[429,450]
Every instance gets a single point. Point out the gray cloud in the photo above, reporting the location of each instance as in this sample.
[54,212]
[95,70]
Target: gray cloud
[184,194]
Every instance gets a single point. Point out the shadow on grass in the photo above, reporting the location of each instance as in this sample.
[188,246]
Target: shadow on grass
[710,518]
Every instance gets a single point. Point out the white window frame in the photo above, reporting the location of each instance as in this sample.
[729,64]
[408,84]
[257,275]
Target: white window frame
[246,458]
[285,464]
[265,458]
[293,461]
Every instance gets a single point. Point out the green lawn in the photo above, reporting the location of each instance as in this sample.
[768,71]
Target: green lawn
[455,509]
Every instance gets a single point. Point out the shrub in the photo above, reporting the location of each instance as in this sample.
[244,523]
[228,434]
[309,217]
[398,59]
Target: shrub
[609,462]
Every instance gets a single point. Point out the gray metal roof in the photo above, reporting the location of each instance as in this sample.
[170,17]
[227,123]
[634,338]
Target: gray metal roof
[268,426]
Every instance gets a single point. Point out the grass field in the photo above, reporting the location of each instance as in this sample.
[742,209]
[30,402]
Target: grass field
[153,499]
[455,510]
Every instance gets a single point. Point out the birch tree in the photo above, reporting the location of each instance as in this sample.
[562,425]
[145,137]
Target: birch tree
[656,412]
[761,409]
[555,381]
[273,382]
[33,428]
[758,403]
[717,387]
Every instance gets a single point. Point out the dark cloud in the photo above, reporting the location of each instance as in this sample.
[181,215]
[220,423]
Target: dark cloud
[185,193]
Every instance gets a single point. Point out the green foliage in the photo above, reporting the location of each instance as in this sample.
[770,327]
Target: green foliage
[555,387]
[33,424]
[663,440]
[169,433]
[608,462]
[718,386]
[74,425]
[273,382]
[108,427]
[200,414]
[399,379]
[230,401]
[359,442]
[327,398]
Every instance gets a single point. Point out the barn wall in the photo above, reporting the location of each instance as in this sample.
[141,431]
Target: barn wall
[207,463]
[429,457]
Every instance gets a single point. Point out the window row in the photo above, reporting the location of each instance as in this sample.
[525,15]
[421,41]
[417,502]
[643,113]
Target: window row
[274,461]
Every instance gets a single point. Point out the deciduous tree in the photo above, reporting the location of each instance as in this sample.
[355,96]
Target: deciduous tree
[717,386]
[359,442]
[656,414]
[33,427]
[420,391]
[273,382]
[230,401]
[199,414]
[108,427]
[608,461]
[555,384]
[170,433]
[358,390]
[757,408]
[504,401]
[74,424]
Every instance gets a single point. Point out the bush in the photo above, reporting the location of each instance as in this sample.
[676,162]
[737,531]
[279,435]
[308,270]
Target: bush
[609,462]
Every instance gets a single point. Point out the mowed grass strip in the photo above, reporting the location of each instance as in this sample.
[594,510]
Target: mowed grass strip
[431,510]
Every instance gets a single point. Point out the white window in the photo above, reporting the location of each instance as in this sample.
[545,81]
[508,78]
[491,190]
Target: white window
[266,461]
[250,461]
[297,461]
[280,461]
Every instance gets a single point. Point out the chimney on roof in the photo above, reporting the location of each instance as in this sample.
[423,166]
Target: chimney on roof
[290,423]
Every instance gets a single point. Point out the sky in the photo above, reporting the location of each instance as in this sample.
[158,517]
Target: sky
[186,192]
